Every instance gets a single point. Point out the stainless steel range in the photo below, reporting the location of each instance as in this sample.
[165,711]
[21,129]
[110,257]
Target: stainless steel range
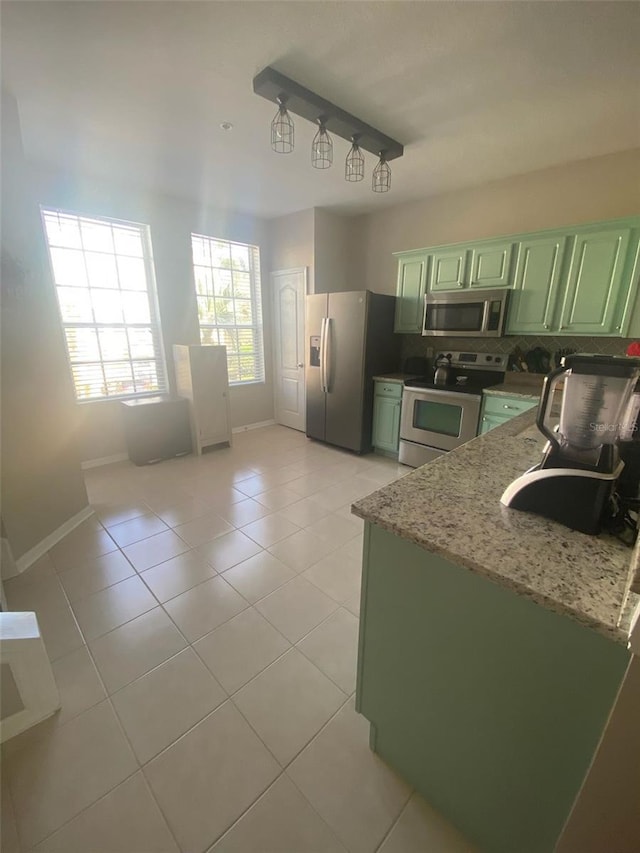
[439,417]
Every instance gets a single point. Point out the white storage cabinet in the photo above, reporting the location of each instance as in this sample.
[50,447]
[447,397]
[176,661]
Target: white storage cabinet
[201,377]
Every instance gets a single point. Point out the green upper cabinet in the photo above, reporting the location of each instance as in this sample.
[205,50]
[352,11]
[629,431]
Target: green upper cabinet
[572,281]
[412,285]
[448,269]
[536,285]
[491,265]
[594,298]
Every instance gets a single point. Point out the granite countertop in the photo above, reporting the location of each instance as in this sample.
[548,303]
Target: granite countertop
[513,389]
[451,507]
[395,377]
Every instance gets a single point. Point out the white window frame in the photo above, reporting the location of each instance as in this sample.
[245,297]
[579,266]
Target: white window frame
[153,325]
[256,327]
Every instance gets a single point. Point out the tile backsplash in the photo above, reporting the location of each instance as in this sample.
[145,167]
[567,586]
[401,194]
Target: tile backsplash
[417,345]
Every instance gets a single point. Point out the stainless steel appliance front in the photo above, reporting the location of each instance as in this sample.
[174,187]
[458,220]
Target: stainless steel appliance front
[468,313]
[434,421]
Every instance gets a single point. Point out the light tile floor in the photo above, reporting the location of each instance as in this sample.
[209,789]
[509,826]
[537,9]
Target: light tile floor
[203,630]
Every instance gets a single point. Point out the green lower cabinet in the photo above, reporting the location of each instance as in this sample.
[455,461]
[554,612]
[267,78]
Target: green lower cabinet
[490,705]
[386,417]
[498,409]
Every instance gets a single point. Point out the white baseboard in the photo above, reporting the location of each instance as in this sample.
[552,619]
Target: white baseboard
[104,460]
[33,554]
[253,426]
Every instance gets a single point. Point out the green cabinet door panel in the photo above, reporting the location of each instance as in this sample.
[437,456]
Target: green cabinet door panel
[489,704]
[448,269]
[491,265]
[488,422]
[536,285]
[386,423]
[498,409]
[594,301]
[412,284]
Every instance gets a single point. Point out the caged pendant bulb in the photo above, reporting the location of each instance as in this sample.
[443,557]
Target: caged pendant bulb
[282,130]
[321,148]
[381,182]
[354,164]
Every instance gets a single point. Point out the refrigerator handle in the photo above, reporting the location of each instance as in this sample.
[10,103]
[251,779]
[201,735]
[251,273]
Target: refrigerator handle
[322,352]
[326,352]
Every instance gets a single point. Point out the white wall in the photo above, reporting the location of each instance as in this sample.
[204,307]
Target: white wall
[171,221]
[585,191]
[42,485]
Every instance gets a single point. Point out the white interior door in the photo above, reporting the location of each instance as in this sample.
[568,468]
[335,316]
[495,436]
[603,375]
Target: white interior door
[289,289]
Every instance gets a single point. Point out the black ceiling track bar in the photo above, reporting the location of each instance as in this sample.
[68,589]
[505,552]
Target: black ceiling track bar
[273,86]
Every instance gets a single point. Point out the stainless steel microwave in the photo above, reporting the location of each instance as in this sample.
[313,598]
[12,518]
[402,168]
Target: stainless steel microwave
[467,313]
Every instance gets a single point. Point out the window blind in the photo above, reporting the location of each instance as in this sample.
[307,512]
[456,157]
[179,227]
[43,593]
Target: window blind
[229,294]
[103,274]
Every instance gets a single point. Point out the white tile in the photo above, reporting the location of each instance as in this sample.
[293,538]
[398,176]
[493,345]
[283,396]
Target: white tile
[136,529]
[281,821]
[270,529]
[111,514]
[156,549]
[203,608]
[258,576]
[98,574]
[333,647]
[278,497]
[203,529]
[59,631]
[302,550]
[352,549]
[304,512]
[182,511]
[420,827]
[288,703]
[126,820]
[241,648]
[228,550]
[254,486]
[335,528]
[353,604]
[220,497]
[336,575]
[166,580]
[128,652]
[166,702]
[105,610]
[66,769]
[40,570]
[44,594]
[347,784]
[207,779]
[244,512]
[81,545]
[296,608]
[78,682]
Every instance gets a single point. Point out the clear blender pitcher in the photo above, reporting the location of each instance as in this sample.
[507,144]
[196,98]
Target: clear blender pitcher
[597,389]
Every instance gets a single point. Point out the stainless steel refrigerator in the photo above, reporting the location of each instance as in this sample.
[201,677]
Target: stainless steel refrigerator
[349,339]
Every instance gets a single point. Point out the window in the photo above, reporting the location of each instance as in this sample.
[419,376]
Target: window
[227,279]
[104,282]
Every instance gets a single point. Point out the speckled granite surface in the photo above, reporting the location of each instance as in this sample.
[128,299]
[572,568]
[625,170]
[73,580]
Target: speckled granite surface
[452,507]
[514,390]
[395,377]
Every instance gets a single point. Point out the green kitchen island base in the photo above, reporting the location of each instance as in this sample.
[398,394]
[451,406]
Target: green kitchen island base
[489,704]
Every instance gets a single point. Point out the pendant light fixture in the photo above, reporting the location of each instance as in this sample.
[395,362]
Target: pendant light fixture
[381,182]
[282,130]
[354,164]
[322,147]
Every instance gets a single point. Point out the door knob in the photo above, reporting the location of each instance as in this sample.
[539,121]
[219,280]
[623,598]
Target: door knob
[300,364]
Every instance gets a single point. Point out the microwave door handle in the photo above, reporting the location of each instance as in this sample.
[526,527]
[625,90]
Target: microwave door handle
[485,315]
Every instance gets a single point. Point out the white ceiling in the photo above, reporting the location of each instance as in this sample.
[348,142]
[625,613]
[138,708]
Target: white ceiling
[136,91]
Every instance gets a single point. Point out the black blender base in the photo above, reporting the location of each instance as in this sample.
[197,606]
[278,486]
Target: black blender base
[578,502]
